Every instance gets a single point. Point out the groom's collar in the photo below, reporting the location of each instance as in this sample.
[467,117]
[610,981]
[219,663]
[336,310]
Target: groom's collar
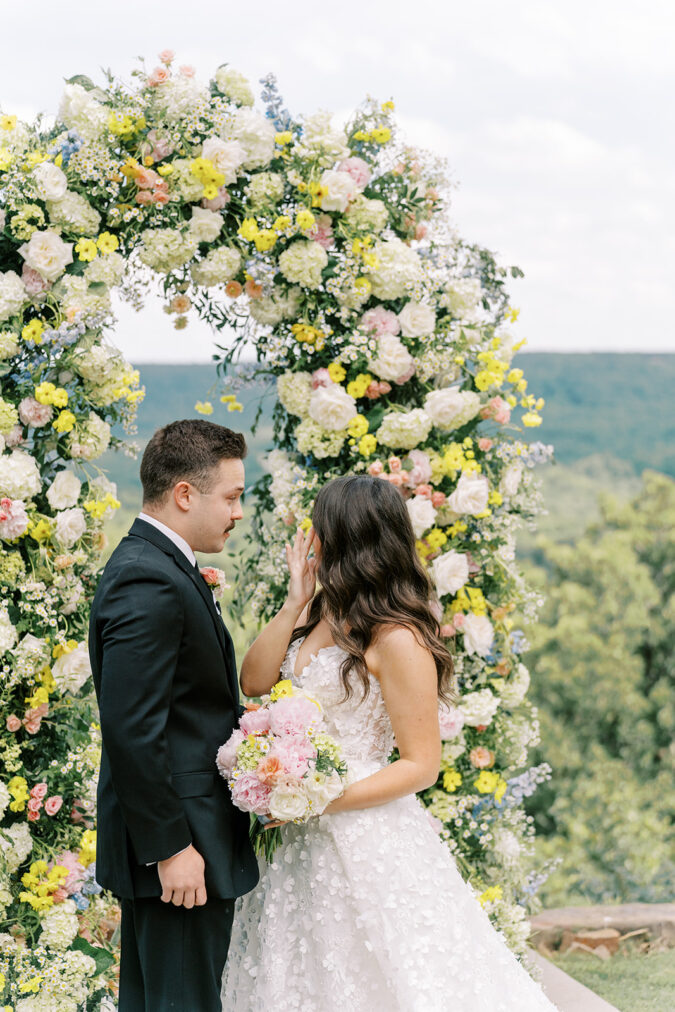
[172,535]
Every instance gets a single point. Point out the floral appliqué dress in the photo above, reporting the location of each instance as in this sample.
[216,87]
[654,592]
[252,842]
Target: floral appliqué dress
[365,911]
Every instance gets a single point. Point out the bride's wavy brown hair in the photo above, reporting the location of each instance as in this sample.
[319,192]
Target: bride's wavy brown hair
[370,576]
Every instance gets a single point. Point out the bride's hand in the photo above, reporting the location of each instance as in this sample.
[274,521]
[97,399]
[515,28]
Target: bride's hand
[302,569]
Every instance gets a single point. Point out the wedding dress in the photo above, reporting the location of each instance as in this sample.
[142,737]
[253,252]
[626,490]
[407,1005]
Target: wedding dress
[365,911]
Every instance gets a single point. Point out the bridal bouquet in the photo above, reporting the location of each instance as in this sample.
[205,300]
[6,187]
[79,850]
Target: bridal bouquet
[279,764]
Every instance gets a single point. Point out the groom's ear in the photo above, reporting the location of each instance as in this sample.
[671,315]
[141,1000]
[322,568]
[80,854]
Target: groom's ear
[183,495]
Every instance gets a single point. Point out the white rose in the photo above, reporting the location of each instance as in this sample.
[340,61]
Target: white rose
[450,572]
[332,407]
[393,358]
[72,670]
[70,526]
[478,708]
[51,181]
[510,480]
[321,789]
[417,320]
[47,254]
[64,491]
[19,476]
[340,190]
[8,633]
[13,294]
[205,225]
[471,494]
[451,408]
[478,635]
[256,136]
[227,156]
[288,802]
[422,514]
[515,689]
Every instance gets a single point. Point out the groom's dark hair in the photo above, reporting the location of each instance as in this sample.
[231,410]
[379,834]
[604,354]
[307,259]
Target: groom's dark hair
[188,450]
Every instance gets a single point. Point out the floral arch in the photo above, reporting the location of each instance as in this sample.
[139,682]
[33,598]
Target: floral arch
[387,339]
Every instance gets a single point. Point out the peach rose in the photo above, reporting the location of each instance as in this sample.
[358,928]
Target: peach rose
[425,490]
[166,56]
[53,804]
[158,76]
[485,444]
[34,804]
[269,770]
[33,816]
[376,468]
[482,758]
[186,70]
[253,289]
[233,289]
[39,791]
[394,464]
[437,499]
[13,723]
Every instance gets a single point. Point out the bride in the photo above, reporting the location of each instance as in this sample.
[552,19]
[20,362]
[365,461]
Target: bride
[363,907]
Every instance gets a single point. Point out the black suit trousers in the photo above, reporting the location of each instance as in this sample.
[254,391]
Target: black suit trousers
[172,959]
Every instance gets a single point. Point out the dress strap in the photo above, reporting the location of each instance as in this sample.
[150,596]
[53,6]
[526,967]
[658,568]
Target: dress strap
[288,663]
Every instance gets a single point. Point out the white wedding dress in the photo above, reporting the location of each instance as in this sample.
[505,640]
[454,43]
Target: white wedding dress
[365,911]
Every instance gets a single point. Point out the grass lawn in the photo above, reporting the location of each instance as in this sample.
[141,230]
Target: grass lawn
[631,982]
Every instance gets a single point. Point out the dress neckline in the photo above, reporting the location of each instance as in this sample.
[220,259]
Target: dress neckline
[296,675]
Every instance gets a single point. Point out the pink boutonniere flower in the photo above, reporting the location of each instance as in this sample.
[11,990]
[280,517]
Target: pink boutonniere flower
[215,579]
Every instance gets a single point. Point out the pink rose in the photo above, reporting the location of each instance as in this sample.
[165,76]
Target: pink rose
[13,519]
[420,472]
[293,715]
[33,816]
[420,231]
[376,468]
[146,178]
[357,169]
[53,804]
[458,620]
[437,499]
[394,464]
[34,283]
[424,490]
[160,197]
[34,804]
[166,56]
[322,231]
[380,321]
[321,378]
[186,71]
[39,791]
[227,753]
[294,754]
[485,444]
[157,147]
[394,479]
[33,718]
[77,871]
[215,578]
[13,723]
[250,795]
[217,202]
[31,412]
[498,409]
[255,722]
[482,758]
[447,630]
[158,76]
[450,721]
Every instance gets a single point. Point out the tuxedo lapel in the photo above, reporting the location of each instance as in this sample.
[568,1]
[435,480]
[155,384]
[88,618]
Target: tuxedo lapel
[149,533]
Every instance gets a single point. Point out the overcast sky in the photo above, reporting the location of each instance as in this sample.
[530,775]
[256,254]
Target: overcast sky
[556,118]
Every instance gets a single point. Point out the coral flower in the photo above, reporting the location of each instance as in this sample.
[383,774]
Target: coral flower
[269,770]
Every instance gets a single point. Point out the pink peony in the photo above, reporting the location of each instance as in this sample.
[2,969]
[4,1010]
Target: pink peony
[293,715]
[255,722]
[294,754]
[13,519]
[31,412]
[420,472]
[33,282]
[379,321]
[322,231]
[321,378]
[450,721]
[358,170]
[498,409]
[227,753]
[39,791]
[53,804]
[13,723]
[77,871]
[250,795]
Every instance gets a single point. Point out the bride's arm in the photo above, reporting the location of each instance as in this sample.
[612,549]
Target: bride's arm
[260,667]
[407,675]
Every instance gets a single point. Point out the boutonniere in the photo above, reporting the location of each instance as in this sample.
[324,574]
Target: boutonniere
[215,579]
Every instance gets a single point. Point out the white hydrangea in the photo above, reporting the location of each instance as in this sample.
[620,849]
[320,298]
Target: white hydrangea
[398,269]
[9,344]
[451,408]
[392,359]
[205,225]
[266,188]
[164,249]
[294,390]
[256,134]
[77,297]
[514,690]
[16,843]
[72,670]
[332,407]
[478,636]
[80,111]
[31,654]
[180,96]
[417,319]
[422,514]
[91,439]
[184,180]
[64,491]
[74,213]
[367,214]
[450,572]
[19,475]
[462,299]
[12,295]
[278,305]
[59,926]
[227,157]
[303,262]
[321,141]
[233,84]
[478,708]
[218,266]
[108,269]
[404,430]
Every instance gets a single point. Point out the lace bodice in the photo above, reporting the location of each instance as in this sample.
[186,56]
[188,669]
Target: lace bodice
[360,726]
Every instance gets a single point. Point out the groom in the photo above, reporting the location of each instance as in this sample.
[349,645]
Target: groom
[171,845]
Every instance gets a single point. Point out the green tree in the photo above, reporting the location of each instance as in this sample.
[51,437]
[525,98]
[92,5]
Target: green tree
[605,690]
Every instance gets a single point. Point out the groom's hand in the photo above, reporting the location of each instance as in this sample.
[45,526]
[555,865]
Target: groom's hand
[182,879]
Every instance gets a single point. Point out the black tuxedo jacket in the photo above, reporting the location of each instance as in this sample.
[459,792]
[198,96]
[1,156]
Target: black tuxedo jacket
[166,681]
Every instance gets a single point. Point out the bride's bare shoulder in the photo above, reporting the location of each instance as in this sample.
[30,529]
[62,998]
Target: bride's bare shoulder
[392,642]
